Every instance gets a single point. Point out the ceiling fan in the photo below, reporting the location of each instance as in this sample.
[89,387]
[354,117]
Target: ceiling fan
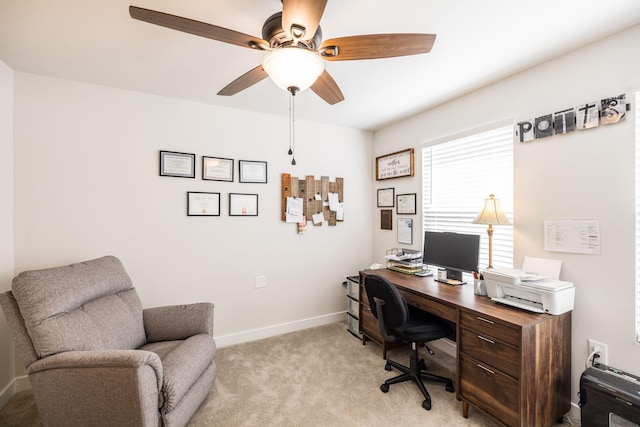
[295,34]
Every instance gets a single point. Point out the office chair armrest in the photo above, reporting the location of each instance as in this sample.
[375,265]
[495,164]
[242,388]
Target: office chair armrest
[381,324]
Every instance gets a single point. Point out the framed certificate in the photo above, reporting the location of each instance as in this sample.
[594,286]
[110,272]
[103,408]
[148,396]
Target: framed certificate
[203,204]
[252,171]
[182,165]
[386,197]
[217,169]
[243,204]
[406,204]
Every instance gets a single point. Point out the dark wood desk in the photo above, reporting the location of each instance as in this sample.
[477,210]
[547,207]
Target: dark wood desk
[511,364]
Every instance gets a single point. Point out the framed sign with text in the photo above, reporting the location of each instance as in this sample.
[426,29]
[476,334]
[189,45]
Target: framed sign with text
[395,165]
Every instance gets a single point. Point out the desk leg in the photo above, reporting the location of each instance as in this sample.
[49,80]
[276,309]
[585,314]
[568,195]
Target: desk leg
[465,409]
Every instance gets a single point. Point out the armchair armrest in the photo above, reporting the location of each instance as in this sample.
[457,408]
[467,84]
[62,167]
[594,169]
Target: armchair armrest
[178,322]
[117,387]
[100,360]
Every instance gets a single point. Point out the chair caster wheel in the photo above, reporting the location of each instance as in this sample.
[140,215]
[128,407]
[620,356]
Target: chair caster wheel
[387,366]
[423,365]
[449,388]
[426,404]
[385,388]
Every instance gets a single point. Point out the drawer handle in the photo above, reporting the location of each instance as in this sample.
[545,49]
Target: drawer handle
[486,320]
[486,339]
[485,368]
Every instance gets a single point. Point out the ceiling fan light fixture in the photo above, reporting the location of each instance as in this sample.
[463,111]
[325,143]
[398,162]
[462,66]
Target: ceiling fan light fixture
[293,67]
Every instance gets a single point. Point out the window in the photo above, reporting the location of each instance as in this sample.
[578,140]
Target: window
[638,216]
[457,175]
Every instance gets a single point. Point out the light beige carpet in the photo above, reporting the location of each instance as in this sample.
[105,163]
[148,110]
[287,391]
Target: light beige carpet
[317,377]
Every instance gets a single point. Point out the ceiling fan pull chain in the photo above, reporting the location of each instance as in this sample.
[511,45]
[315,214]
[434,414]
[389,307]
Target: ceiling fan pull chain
[292,127]
[290,121]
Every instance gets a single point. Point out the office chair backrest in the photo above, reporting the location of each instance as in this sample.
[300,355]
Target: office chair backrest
[395,310]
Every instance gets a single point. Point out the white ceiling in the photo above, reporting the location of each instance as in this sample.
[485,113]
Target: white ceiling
[478,42]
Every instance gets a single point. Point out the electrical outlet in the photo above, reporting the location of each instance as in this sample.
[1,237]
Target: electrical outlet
[601,349]
[260,282]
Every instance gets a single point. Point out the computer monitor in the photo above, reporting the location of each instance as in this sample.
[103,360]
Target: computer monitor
[455,252]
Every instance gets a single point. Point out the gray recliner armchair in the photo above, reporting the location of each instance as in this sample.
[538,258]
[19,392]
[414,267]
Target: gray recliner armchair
[95,357]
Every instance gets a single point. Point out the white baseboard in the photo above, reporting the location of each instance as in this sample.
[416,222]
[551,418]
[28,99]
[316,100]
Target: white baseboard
[7,393]
[18,384]
[270,331]
[22,383]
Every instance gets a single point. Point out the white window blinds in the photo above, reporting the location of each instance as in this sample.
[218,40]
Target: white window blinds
[458,175]
[637,216]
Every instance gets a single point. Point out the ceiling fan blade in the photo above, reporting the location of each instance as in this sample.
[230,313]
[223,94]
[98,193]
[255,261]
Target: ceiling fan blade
[196,27]
[300,18]
[376,46]
[244,81]
[327,88]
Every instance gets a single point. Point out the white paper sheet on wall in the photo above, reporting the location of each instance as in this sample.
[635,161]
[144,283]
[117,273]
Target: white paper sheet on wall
[581,236]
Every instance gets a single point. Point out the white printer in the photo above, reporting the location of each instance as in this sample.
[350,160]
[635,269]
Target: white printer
[529,291]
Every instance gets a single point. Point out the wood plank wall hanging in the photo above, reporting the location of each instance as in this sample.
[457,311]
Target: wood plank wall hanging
[309,200]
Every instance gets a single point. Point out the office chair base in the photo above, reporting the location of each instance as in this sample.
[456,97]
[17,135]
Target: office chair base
[415,372]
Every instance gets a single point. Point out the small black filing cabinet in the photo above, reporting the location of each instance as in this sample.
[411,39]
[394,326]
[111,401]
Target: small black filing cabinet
[353,303]
[609,398]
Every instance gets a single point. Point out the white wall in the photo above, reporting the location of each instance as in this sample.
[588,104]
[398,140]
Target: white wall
[87,185]
[6,222]
[585,174]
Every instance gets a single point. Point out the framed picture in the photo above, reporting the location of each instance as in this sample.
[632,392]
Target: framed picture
[386,221]
[252,171]
[395,165]
[203,204]
[386,197]
[243,204]
[406,204]
[217,169]
[182,165]
[405,231]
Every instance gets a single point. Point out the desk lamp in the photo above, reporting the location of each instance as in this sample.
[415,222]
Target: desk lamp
[491,214]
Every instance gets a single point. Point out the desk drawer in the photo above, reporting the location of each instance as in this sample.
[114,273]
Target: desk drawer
[490,390]
[441,310]
[490,326]
[489,350]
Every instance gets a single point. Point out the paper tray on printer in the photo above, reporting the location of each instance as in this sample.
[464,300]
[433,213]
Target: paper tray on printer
[536,308]
[548,285]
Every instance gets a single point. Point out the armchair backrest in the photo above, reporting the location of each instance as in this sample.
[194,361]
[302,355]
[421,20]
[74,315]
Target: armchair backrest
[90,305]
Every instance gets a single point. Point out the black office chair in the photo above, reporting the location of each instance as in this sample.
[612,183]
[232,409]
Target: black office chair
[399,321]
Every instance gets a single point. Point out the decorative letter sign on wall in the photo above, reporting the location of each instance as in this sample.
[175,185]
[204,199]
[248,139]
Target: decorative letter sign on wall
[590,115]
[395,165]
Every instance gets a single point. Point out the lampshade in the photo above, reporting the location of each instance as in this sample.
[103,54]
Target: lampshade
[293,67]
[492,213]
